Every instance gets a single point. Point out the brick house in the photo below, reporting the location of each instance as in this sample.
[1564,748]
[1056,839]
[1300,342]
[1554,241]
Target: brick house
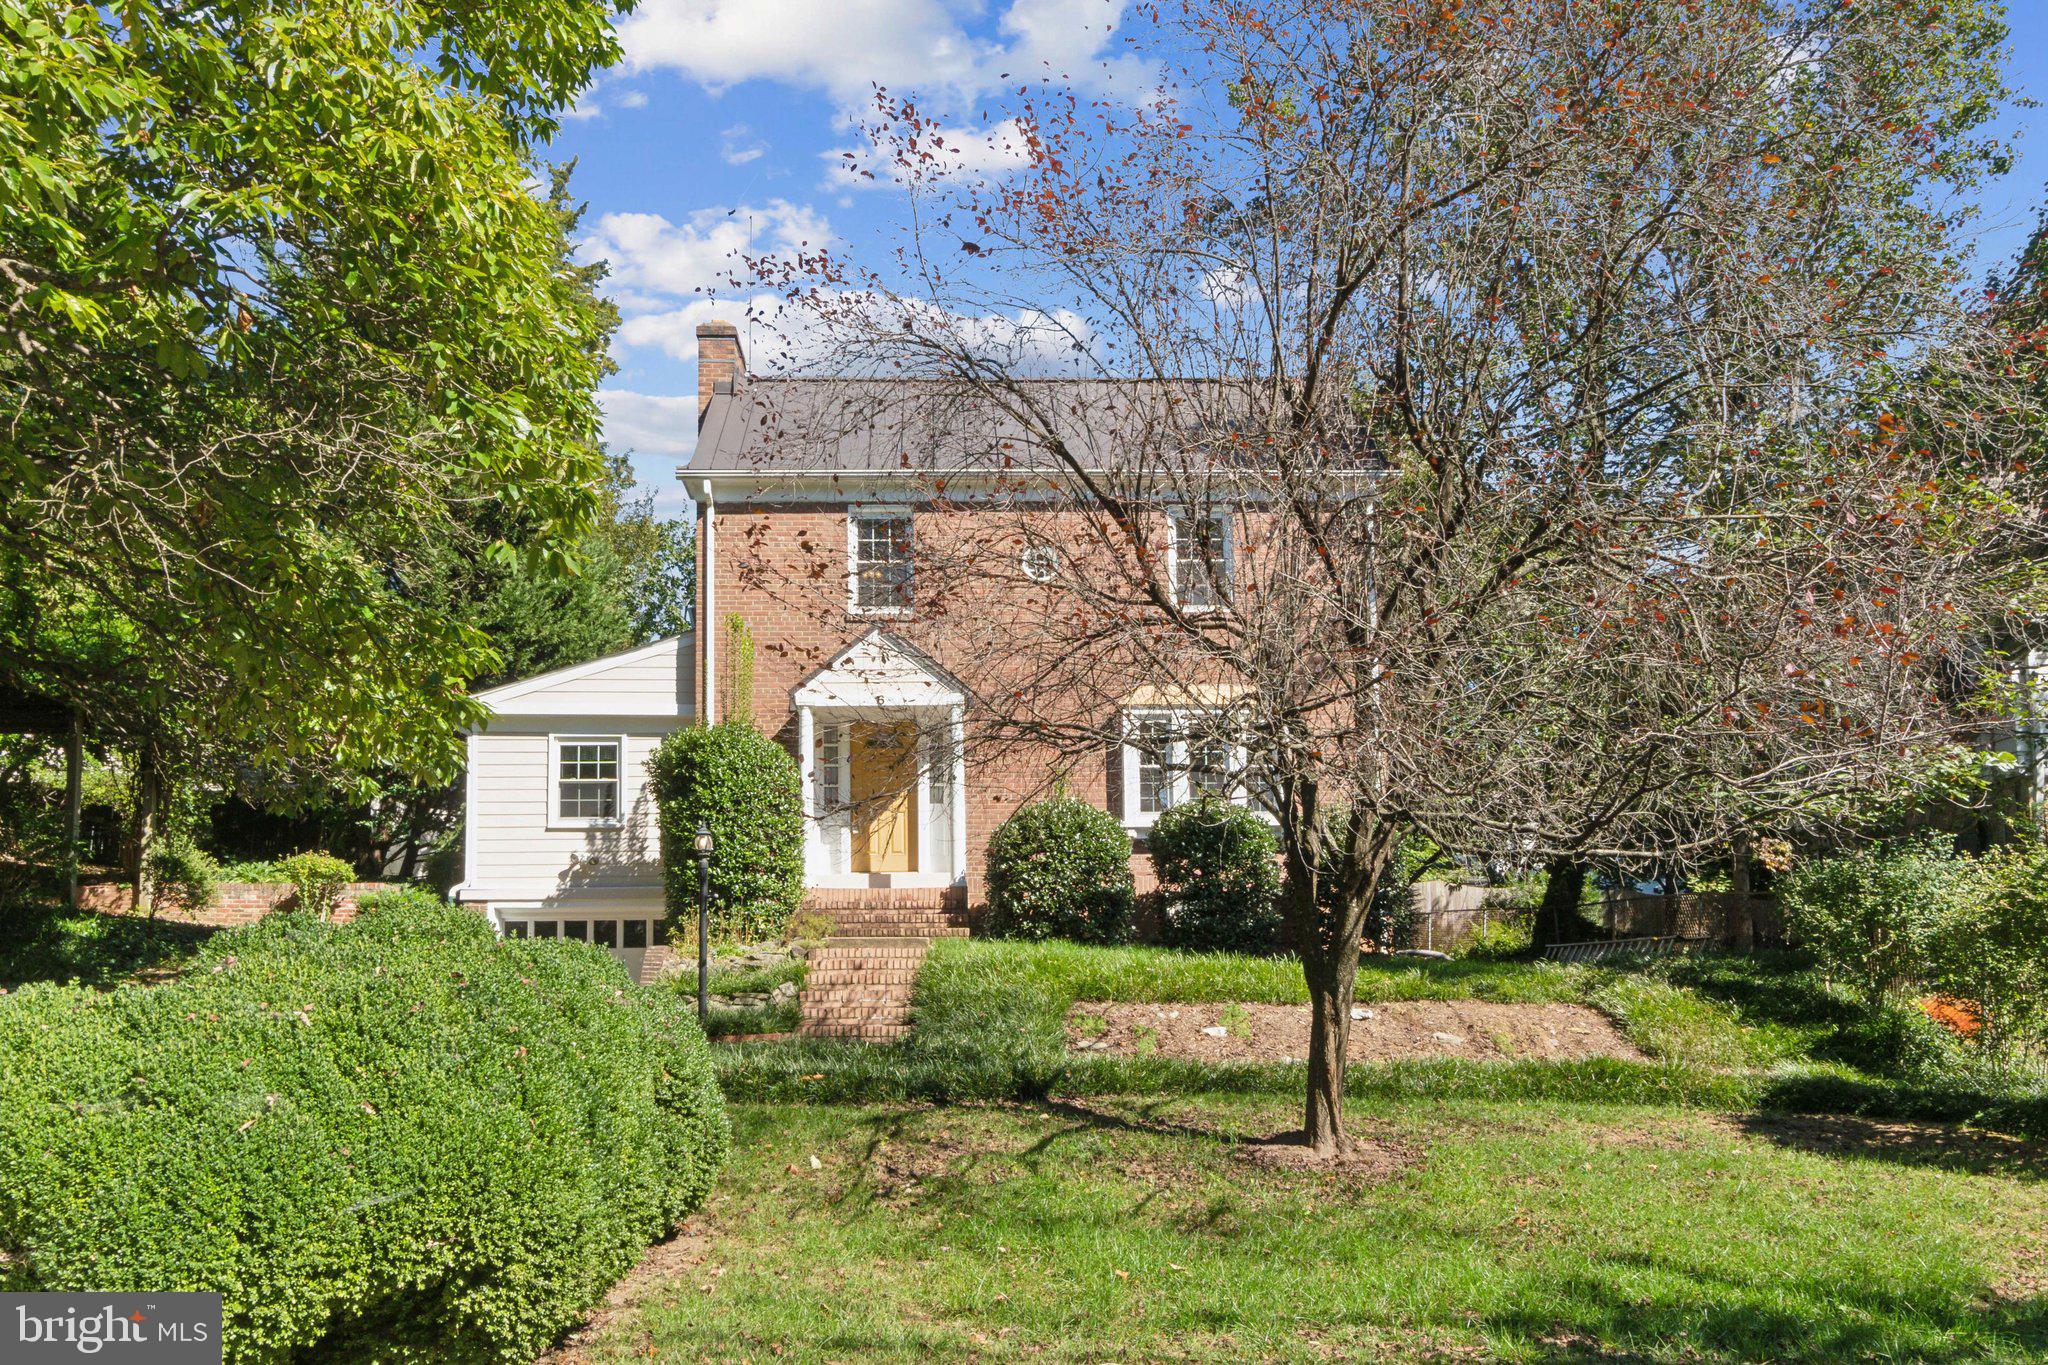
[818,509]
[817,514]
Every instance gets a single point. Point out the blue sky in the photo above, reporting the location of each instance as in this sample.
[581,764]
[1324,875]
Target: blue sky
[727,120]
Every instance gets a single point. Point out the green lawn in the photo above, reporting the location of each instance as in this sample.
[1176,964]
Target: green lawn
[1720,1032]
[1132,1230]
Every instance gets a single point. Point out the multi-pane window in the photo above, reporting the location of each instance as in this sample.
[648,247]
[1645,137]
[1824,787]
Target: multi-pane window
[1153,741]
[606,931]
[587,779]
[1210,762]
[1201,558]
[1170,758]
[883,571]
[831,764]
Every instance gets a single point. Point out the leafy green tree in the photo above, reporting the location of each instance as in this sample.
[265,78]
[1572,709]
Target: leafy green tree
[279,313]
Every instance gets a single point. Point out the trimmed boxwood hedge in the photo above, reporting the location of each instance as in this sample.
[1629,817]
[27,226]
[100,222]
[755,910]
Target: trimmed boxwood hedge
[398,1139]
[749,790]
[1060,868]
[1217,865]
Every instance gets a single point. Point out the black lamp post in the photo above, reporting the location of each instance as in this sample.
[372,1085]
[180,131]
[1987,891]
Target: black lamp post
[701,848]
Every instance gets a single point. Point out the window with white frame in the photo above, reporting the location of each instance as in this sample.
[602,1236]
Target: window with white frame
[831,768]
[1198,550]
[587,779]
[878,549]
[1174,756]
[1040,563]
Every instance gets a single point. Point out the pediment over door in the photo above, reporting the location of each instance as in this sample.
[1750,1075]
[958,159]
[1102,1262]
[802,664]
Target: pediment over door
[879,672]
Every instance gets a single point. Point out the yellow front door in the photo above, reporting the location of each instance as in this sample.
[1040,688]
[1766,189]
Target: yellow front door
[882,782]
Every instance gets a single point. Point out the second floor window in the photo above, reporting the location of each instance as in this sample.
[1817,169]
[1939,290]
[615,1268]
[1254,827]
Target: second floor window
[1200,546]
[879,550]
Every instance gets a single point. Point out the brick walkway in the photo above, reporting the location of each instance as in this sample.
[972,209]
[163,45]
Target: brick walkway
[859,982]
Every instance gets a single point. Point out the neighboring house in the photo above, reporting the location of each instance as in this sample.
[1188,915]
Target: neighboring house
[561,836]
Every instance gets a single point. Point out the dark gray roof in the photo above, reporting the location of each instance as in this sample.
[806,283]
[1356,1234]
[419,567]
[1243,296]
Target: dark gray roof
[870,425]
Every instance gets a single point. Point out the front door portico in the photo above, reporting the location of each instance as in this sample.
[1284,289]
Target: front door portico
[879,732]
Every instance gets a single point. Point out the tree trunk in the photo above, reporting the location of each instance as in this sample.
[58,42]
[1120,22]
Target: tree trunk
[1557,916]
[143,830]
[1332,979]
[1738,931]
[74,801]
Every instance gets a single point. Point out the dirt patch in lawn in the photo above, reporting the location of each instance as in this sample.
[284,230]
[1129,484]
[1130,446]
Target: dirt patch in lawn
[1363,1161]
[1476,1029]
[662,1271]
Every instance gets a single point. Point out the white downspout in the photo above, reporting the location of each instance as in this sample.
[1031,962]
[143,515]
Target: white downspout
[707,568]
[807,764]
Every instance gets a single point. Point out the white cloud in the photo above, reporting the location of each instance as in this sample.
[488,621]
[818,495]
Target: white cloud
[780,336]
[633,99]
[652,258]
[649,423]
[673,331]
[942,153]
[738,145]
[846,46]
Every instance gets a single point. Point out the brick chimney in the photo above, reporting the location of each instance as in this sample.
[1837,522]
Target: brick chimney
[719,362]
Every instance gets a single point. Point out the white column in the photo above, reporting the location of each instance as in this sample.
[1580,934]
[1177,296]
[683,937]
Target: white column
[958,758]
[807,765]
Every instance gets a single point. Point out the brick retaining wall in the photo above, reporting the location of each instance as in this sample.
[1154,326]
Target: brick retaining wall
[234,903]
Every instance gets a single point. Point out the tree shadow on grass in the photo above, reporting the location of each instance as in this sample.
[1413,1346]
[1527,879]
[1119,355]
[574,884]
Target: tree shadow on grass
[53,943]
[1743,1318]
[1908,1144]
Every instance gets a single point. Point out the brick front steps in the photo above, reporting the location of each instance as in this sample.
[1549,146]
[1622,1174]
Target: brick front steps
[859,981]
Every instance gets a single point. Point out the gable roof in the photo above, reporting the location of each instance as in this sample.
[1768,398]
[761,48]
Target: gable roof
[827,426]
[655,679]
[880,669]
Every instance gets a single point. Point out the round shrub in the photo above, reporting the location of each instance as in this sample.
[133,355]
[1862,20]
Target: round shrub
[182,874]
[397,1139]
[317,879]
[1060,869]
[1216,864]
[748,789]
[1501,938]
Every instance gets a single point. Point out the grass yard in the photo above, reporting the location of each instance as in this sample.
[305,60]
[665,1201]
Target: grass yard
[1720,1032]
[1132,1230]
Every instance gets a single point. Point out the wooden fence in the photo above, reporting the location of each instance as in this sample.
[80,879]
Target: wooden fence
[1729,918]
[1447,913]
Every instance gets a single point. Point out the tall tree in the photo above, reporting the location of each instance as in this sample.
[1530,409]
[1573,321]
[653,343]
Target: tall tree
[1515,458]
[277,307]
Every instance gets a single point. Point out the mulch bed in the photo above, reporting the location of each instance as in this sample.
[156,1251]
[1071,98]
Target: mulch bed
[1478,1030]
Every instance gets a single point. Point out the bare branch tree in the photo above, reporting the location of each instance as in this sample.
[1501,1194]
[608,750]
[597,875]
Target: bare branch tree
[1542,427]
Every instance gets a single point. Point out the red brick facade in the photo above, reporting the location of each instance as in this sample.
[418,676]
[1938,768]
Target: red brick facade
[781,566]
